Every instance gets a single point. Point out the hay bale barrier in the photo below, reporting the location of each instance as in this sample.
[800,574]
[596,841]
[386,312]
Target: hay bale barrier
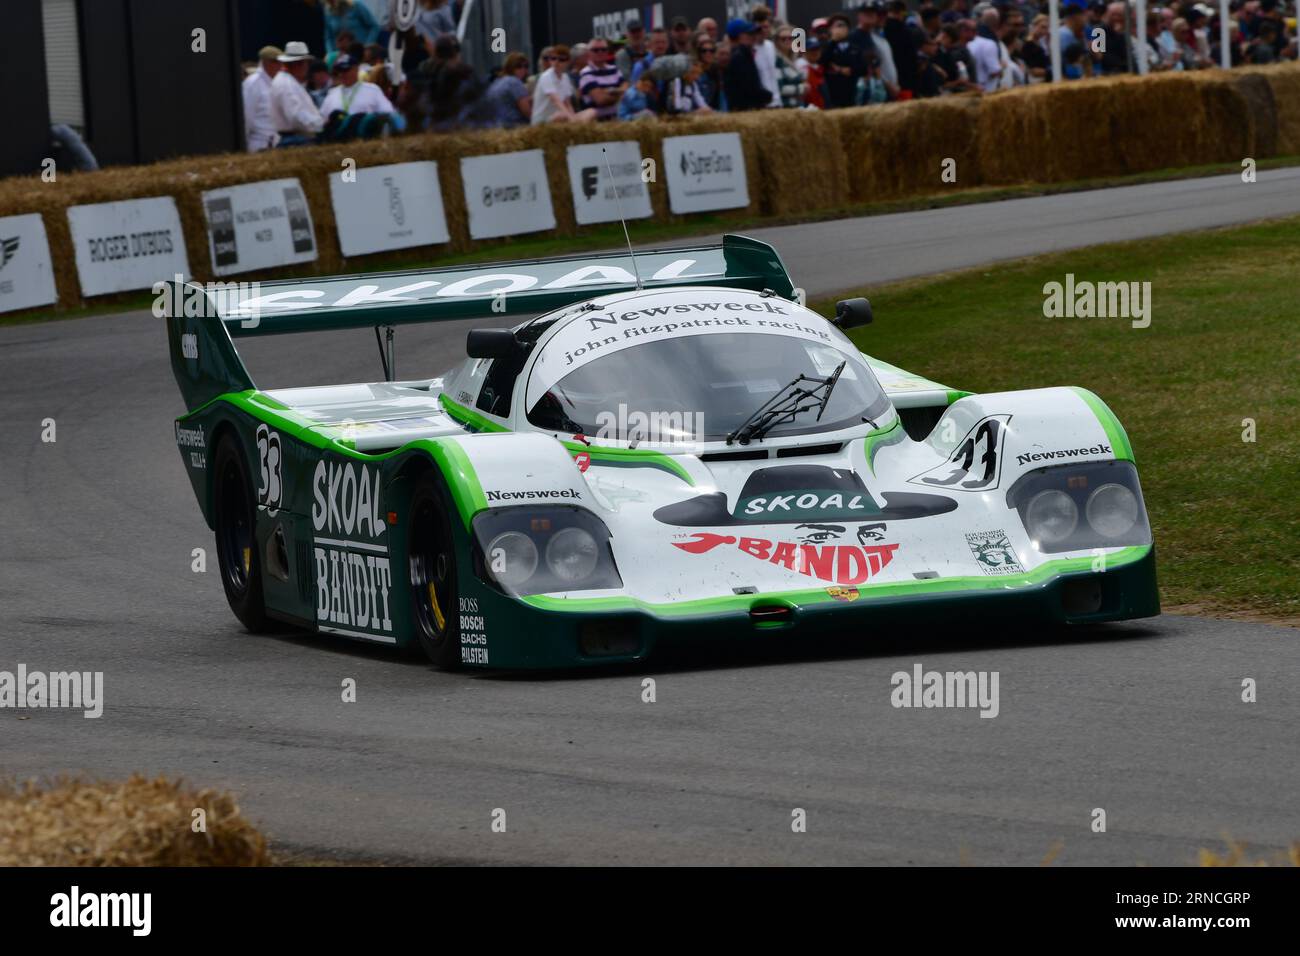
[139,822]
[797,161]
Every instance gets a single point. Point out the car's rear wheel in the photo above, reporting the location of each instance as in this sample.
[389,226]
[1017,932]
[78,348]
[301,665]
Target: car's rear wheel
[435,597]
[234,516]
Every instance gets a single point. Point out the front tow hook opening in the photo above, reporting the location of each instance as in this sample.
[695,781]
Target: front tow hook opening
[767,616]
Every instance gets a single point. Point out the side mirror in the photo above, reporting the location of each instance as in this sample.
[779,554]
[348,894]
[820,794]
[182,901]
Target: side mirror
[491,343]
[851,313]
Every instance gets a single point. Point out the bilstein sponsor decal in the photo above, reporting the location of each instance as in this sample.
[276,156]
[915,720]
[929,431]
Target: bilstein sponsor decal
[533,494]
[1063,453]
[837,563]
[353,576]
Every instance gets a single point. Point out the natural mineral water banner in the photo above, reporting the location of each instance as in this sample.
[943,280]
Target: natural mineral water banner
[258,226]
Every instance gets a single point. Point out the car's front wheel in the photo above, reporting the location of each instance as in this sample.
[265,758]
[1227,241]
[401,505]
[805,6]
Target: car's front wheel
[432,556]
[234,516]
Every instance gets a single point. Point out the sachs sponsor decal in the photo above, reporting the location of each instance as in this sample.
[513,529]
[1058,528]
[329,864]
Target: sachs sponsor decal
[533,494]
[842,564]
[1064,453]
[353,576]
[993,552]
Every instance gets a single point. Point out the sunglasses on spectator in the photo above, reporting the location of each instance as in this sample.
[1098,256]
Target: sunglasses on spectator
[561,59]
[708,49]
[598,49]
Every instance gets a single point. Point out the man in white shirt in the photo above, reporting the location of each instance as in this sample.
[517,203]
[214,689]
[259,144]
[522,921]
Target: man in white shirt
[986,51]
[765,55]
[350,94]
[553,95]
[259,132]
[294,115]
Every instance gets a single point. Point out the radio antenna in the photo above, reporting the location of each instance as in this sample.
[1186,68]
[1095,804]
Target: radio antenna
[614,186]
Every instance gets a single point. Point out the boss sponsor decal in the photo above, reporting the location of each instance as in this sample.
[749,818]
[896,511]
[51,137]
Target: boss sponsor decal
[1091,452]
[843,564]
[473,633]
[993,552]
[191,441]
[533,494]
[976,462]
[353,574]
[270,486]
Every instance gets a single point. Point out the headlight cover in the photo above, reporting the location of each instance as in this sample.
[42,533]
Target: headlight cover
[567,549]
[1104,498]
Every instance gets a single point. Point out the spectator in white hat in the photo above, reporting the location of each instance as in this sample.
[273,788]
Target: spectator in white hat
[296,119]
[259,131]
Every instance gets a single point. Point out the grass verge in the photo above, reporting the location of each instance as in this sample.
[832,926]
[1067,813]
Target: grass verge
[1222,347]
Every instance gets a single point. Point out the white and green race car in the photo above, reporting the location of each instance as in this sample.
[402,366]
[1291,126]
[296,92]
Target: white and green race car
[671,449]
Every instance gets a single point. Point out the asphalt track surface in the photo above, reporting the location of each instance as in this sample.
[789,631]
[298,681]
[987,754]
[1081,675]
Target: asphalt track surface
[1142,719]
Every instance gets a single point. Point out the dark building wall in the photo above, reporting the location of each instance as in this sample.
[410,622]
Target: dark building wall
[186,102]
[22,68]
[107,64]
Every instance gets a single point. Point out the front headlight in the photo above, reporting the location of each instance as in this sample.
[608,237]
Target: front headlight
[1095,504]
[1112,510]
[509,545]
[572,555]
[512,557]
[1051,516]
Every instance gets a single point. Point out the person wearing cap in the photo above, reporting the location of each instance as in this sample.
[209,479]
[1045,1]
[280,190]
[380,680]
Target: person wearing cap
[633,50]
[1074,30]
[259,130]
[869,37]
[741,83]
[296,119]
[350,94]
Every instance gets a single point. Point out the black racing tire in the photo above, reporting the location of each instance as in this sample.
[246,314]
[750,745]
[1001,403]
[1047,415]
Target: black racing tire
[234,516]
[431,556]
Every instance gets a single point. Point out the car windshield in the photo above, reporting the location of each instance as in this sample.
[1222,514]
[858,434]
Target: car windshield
[702,387]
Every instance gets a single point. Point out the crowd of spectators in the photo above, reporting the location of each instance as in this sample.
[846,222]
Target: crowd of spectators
[880,51]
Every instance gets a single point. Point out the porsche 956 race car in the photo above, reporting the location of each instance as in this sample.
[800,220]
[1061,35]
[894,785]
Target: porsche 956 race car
[672,448]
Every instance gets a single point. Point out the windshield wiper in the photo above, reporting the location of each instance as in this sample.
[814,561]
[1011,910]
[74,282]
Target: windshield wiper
[778,410]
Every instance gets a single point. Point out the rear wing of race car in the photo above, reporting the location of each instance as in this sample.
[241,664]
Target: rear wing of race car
[202,321]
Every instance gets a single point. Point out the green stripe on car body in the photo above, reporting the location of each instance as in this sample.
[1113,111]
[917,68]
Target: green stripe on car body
[633,458]
[743,602]
[1119,442]
[470,418]
[446,452]
[875,440]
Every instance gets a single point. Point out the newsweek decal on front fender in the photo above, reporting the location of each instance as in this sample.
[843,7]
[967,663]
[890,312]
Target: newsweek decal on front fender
[844,564]
[350,552]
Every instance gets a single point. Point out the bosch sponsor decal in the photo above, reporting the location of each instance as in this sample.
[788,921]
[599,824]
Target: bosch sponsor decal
[353,575]
[533,495]
[843,564]
[976,463]
[473,633]
[193,445]
[1091,452]
[993,552]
